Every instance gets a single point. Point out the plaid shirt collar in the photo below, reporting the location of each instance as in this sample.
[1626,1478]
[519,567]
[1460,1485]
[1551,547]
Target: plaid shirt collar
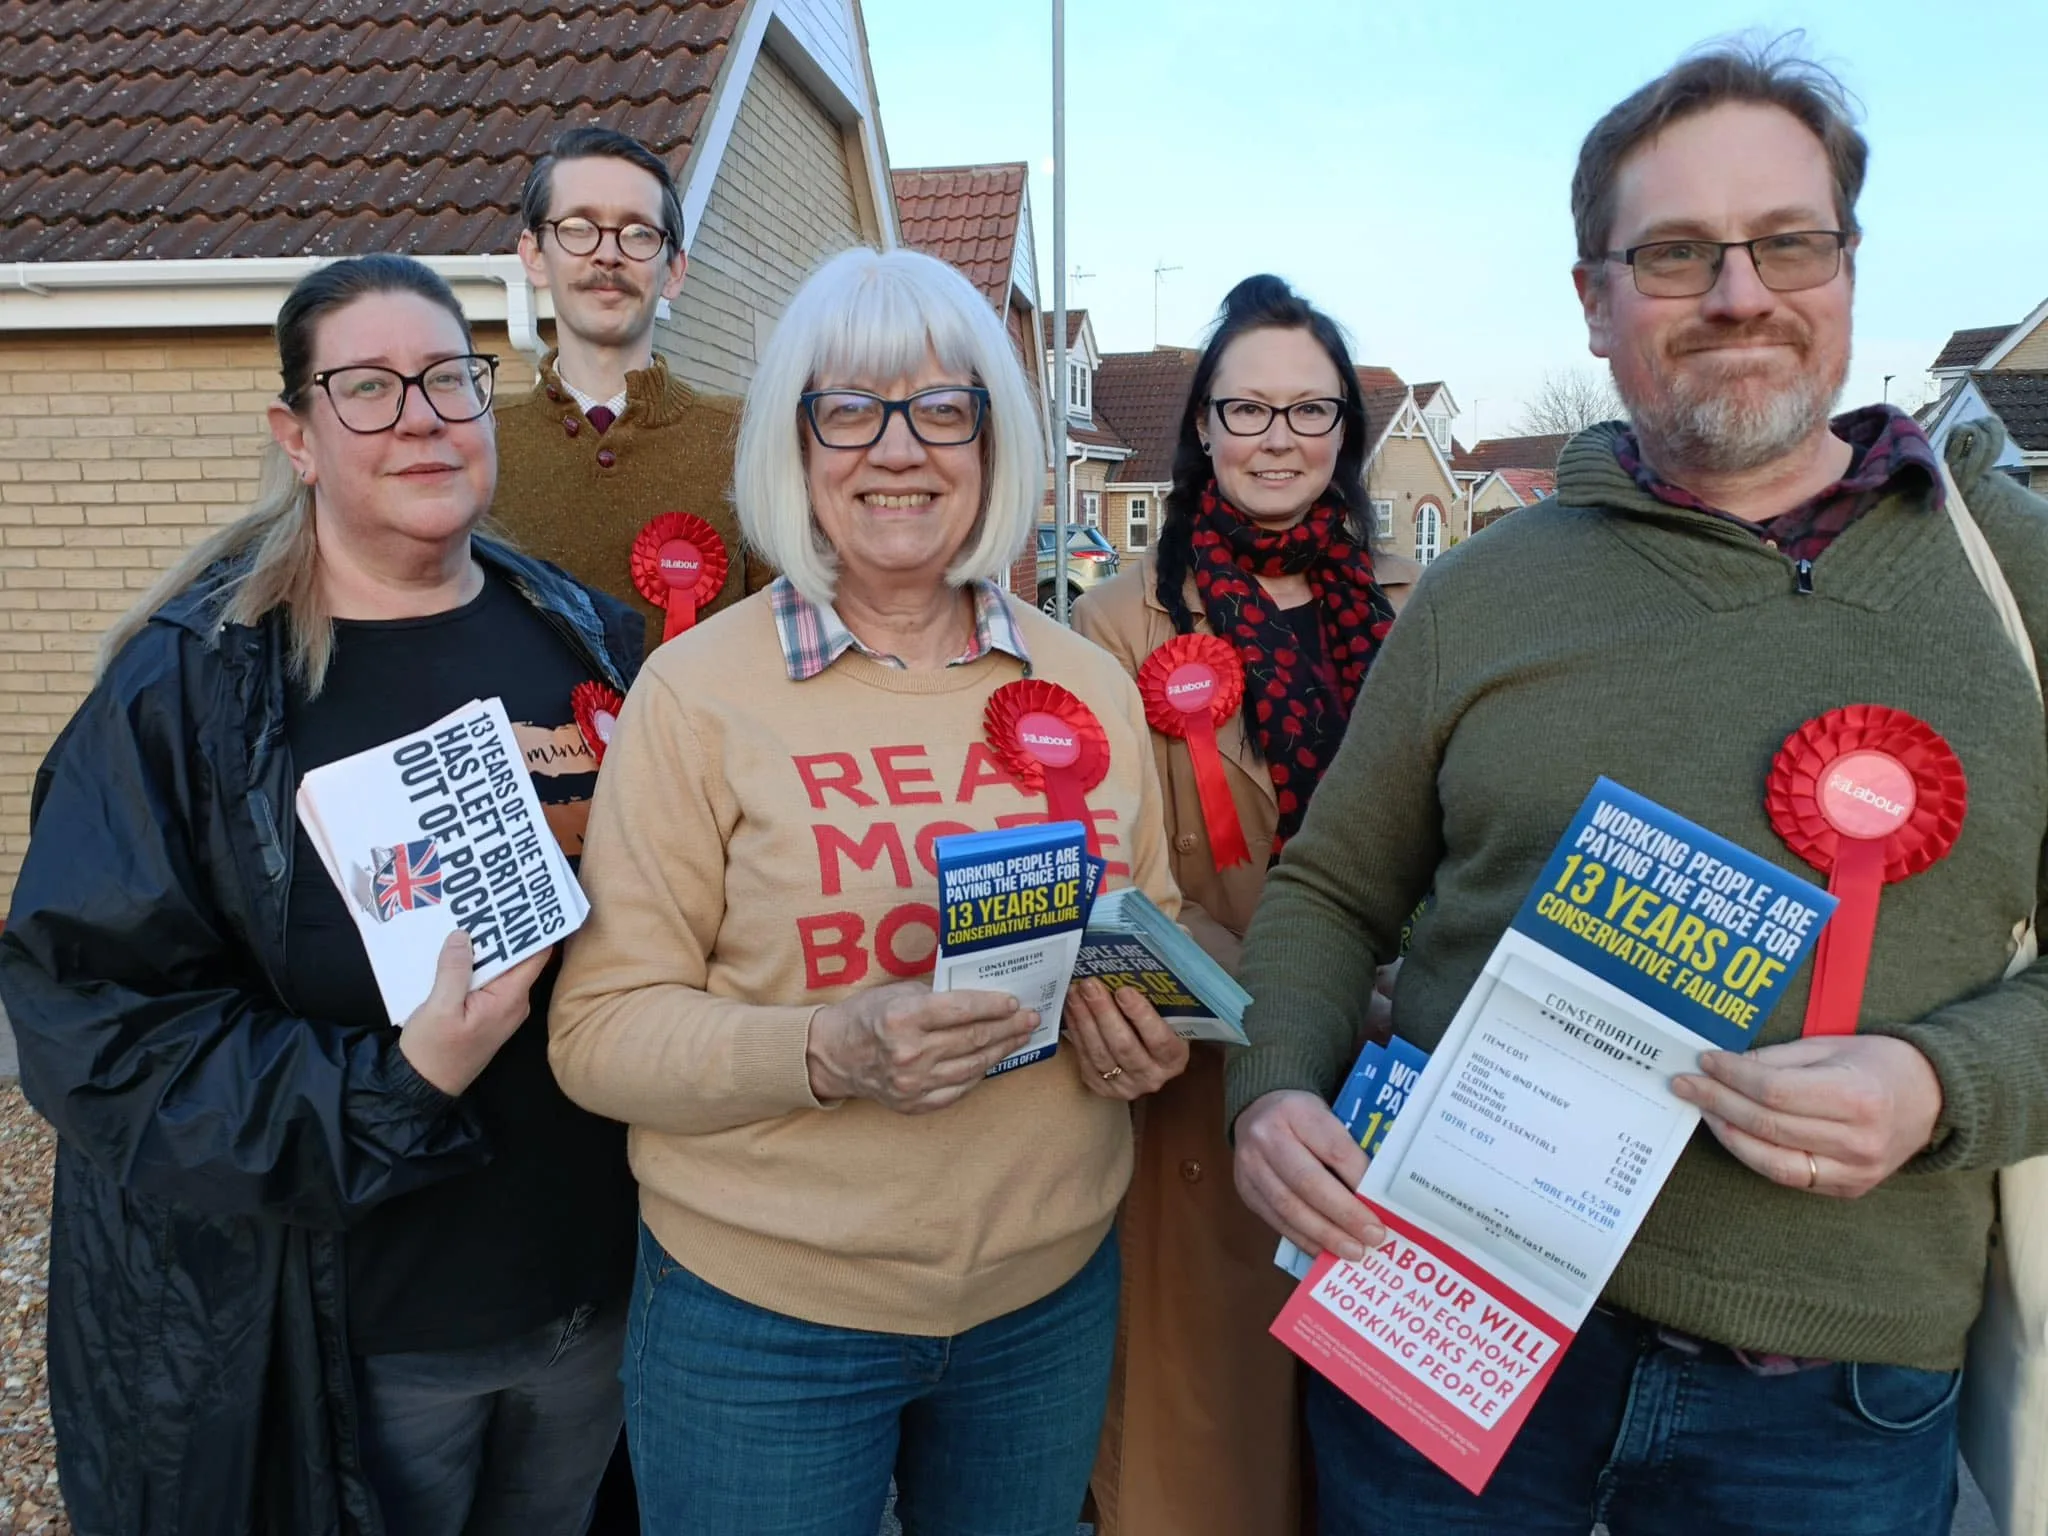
[1888,452]
[813,636]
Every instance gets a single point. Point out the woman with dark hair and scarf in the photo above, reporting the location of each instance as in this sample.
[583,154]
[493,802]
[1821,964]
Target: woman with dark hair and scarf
[1264,550]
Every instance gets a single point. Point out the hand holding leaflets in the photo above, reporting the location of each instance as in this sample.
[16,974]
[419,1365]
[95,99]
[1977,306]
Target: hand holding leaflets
[452,1036]
[436,833]
[1539,1134]
[1128,1050]
[911,1049]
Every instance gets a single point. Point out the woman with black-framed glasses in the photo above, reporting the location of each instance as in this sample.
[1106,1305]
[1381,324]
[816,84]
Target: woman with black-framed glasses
[310,1271]
[1263,558]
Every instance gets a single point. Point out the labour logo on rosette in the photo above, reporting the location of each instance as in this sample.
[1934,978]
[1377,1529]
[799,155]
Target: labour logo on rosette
[679,565]
[1191,685]
[1870,796]
[1052,744]
[597,715]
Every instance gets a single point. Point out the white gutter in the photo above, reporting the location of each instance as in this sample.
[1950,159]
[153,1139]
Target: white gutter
[237,291]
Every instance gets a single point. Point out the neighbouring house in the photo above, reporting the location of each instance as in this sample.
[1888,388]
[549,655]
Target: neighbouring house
[978,218]
[1093,447]
[2002,371]
[1418,508]
[1497,492]
[169,171]
[1501,474]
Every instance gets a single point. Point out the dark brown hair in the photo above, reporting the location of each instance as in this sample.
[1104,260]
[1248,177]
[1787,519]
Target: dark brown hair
[1761,74]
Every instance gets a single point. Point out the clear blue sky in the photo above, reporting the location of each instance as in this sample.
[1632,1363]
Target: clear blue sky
[1407,165]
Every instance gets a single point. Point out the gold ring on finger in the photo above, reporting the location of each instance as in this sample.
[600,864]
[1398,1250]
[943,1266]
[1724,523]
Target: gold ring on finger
[1112,1072]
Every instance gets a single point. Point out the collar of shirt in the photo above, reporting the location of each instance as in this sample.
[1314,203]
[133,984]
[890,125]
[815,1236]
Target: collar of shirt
[588,403]
[813,636]
[1888,451]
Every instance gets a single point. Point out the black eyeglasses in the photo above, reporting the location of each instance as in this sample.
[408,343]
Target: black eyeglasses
[581,237]
[368,398]
[944,417]
[1685,269]
[1305,418]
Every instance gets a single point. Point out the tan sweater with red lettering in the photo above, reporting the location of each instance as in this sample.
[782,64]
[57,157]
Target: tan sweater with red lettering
[760,847]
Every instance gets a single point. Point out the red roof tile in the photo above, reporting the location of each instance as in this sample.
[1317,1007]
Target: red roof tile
[1531,485]
[258,128]
[1513,453]
[1075,318]
[2020,398]
[1966,349]
[967,215]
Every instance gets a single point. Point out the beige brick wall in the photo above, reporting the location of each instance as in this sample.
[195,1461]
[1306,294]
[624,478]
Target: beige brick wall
[1405,471]
[2032,352]
[783,202]
[118,451]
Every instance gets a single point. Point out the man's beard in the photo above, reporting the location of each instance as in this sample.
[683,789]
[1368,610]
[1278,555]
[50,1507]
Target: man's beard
[1714,425]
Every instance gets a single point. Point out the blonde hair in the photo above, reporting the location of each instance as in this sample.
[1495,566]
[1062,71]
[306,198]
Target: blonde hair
[276,535]
[873,314]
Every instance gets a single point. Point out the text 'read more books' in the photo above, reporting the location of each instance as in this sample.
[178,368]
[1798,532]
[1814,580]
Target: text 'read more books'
[1012,906]
[1540,1132]
[1131,943]
[437,830]
[1372,1095]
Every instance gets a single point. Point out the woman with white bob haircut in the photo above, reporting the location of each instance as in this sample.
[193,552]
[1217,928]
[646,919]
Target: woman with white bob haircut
[861,1255]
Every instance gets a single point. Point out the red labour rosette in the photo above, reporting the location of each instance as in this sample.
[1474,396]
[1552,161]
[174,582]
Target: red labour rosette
[679,565]
[1191,685]
[1051,743]
[597,715]
[1869,796]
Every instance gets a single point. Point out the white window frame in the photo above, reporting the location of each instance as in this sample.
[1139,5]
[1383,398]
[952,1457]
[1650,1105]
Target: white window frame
[1429,531]
[1383,519]
[1078,391]
[1439,431]
[1138,522]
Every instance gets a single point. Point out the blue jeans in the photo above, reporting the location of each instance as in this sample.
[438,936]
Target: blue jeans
[1653,1439]
[744,1420]
[506,1440]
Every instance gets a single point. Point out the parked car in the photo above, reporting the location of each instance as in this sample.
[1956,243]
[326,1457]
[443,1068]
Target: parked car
[1090,559]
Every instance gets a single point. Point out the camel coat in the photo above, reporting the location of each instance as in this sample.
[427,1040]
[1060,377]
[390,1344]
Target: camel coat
[1201,1437]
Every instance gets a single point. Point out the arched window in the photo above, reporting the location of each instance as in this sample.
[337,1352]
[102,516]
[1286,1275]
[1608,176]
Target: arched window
[1429,531]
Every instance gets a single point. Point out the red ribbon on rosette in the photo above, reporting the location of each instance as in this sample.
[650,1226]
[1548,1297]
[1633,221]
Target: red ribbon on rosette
[1191,685]
[597,715]
[1869,796]
[1051,743]
[679,565]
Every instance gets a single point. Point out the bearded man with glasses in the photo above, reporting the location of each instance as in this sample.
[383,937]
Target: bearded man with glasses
[1779,1348]
[609,440]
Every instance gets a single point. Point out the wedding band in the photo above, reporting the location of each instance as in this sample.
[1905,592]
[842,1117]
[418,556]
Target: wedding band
[1112,1072]
[1812,1171]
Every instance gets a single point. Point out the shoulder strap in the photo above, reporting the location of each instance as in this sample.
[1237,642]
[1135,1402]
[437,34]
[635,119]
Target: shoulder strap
[1984,566]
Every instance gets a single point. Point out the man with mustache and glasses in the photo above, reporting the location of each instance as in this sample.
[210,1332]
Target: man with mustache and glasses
[609,440]
[1778,1350]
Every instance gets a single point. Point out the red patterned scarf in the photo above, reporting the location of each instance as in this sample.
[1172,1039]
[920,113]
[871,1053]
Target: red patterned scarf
[1296,704]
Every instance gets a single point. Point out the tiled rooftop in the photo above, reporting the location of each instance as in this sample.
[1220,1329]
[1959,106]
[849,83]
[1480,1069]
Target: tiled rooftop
[2020,397]
[1513,453]
[213,128]
[1966,349]
[967,215]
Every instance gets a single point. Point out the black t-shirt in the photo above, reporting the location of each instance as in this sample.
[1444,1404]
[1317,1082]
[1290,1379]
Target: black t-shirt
[548,1223]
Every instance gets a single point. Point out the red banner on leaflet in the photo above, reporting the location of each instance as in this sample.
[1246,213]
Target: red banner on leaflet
[1436,1348]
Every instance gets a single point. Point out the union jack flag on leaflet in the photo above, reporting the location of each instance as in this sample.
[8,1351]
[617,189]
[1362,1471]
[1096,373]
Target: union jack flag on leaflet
[405,878]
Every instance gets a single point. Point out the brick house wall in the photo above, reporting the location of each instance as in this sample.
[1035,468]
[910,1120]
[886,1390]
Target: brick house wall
[2032,351]
[118,452]
[783,202]
[1406,472]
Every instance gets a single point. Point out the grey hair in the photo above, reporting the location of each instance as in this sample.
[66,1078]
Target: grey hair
[873,314]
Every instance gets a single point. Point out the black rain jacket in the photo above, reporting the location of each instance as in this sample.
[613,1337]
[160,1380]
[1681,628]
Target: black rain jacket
[212,1147]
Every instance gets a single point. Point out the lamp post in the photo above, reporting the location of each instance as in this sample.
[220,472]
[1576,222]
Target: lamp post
[1059,309]
[1887,397]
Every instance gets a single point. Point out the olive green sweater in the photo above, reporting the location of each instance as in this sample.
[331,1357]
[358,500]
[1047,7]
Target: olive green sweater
[580,498]
[1607,633]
